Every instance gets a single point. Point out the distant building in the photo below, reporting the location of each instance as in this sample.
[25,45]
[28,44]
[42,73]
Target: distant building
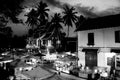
[32,43]
[70,44]
[98,41]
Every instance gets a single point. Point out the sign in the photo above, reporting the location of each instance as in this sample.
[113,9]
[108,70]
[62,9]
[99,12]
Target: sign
[117,62]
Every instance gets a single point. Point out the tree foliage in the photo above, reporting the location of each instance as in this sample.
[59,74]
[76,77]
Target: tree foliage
[37,19]
[80,20]
[69,16]
[11,9]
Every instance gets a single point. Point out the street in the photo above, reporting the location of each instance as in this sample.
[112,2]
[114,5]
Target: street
[62,74]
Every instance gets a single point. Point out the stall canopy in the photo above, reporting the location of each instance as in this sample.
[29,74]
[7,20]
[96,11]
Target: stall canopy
[19,63]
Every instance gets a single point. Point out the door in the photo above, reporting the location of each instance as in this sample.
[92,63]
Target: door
[91,58]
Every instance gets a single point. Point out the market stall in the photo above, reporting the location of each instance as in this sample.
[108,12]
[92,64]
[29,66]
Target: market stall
[66,63]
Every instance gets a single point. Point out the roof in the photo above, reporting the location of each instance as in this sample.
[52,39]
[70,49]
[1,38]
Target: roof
[100,22]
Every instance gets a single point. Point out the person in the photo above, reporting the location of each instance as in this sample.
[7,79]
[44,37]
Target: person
[59,71]
[11,78]
[104,75]
[97,75]
[90,76]
[80,66]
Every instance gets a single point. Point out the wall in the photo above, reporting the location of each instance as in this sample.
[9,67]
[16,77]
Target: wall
[103,54]
[81,57]
[102,37]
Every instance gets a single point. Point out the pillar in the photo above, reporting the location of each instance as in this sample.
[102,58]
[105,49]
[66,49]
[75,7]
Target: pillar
[81,56]
[102,59]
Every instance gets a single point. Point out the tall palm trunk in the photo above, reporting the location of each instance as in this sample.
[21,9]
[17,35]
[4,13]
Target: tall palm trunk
[68,31]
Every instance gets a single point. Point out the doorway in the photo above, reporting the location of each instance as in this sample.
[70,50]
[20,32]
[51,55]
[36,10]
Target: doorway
[91,58]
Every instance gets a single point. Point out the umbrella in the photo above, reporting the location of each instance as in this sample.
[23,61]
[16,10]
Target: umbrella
[21,76]
[38,72]
[19,63]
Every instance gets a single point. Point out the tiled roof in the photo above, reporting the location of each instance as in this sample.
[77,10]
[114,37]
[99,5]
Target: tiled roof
[100,22]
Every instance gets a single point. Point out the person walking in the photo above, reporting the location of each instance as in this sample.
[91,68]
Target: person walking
[97,75]
[59,70]
[90,76]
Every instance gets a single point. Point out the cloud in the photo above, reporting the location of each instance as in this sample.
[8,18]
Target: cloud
[95,8]
[30,3]
[86,11]
[91,11]
[111,11]
[54,3]
[18,29]
[101,5]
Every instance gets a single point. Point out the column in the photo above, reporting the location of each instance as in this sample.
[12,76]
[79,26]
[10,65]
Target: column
[81,56]
[102,59]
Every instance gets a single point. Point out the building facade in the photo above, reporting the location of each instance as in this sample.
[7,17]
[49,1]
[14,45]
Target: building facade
[99,41]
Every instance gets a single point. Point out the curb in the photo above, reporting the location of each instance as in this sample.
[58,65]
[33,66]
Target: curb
[48,76]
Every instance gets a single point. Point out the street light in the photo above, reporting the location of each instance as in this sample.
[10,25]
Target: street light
[58,41]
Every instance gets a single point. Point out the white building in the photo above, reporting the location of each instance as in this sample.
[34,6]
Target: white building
[99,41]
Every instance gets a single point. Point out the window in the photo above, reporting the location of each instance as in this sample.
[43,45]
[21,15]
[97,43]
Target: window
[90,39]
[117,36]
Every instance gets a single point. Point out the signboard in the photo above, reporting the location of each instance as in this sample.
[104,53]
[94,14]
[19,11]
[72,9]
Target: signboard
[109,61]
[117,62]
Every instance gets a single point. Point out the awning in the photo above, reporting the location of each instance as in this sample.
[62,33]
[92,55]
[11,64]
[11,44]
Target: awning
[86,49]
[115,50]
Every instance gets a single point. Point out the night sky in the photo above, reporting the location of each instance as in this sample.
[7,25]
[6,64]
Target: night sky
[88,8]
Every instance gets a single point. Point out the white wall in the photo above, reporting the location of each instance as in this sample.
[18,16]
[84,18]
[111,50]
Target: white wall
[101,59]
[102,37]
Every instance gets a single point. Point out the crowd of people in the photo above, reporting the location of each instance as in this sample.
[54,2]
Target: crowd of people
[104,75]
[6,72]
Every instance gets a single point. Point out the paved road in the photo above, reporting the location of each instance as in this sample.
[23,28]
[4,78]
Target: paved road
[68,76]
[65,75]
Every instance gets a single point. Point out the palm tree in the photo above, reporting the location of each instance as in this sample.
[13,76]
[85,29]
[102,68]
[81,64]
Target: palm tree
[42,11]
[80,20]
[56,24]
[52,31]
[54,27]
[32,19]
[37,19]
[69,16]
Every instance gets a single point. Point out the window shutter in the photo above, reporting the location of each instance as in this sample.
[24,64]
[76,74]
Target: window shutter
[90,38]
[117,36]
